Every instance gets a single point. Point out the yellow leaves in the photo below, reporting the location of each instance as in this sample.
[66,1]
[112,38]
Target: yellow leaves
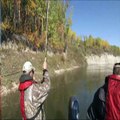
[39,41]
[57,44]
[30,37]
[96,42]
[5,25]
[30,12]
[60,28]
[35,39]
[105,44]
[72,35]
[31,4]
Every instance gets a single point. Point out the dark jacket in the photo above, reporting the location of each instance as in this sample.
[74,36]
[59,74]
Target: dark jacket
[34,95]
[96,110]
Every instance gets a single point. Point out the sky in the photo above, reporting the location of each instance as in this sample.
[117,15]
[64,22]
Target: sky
[99,18]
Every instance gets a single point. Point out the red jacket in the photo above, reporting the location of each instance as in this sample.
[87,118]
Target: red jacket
[22,88]
[33,96]
[113,98]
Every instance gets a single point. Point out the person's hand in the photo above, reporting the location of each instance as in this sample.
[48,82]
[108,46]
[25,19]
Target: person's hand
[45,63]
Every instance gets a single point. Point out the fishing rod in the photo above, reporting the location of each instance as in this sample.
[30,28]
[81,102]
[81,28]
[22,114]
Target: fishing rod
[46,42]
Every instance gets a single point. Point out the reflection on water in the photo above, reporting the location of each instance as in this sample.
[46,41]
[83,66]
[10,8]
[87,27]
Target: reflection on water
[99,69]
[10,107]
[81,82]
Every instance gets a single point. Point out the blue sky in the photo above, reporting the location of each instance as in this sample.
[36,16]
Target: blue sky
[98,18]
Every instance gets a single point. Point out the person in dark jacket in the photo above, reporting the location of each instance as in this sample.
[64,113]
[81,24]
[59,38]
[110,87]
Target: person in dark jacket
[33,94]
[106,105]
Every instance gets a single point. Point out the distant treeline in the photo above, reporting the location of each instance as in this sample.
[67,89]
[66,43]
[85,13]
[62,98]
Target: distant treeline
[97,46]
[28,18]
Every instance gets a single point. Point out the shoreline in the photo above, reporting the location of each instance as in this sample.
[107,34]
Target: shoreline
[61,71]
[56,64]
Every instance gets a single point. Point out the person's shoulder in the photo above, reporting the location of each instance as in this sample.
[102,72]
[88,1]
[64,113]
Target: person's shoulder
[102,93]
[35,86]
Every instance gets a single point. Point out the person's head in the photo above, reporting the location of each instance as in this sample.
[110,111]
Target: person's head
[116,69]
[28,68]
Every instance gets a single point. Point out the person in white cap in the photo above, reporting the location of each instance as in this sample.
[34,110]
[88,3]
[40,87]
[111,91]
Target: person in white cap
[33,94]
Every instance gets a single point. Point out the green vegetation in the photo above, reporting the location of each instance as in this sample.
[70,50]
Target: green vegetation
[99,46]
[28,18]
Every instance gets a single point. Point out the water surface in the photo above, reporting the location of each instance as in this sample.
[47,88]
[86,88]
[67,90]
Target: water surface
[82,83]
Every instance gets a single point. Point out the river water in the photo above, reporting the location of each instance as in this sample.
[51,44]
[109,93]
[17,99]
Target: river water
[82,83]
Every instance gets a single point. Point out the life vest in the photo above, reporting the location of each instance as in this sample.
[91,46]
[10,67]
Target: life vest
[22,87]
[113,98]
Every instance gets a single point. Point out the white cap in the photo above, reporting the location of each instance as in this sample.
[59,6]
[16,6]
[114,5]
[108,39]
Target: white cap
[27,67]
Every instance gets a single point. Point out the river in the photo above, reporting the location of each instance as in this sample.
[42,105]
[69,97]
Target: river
[82,83]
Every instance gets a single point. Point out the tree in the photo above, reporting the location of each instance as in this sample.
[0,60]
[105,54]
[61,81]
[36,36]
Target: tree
[57,22]
[79,41]
[115,50]
[15,14]
[99,43]
[28,17]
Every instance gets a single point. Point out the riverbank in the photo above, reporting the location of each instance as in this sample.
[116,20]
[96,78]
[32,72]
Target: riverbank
[61,71]
[12,62]
[103,59]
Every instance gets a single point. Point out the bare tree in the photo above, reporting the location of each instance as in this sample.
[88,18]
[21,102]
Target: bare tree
[17,16]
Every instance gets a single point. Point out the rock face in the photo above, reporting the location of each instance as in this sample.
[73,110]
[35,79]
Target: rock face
[103,59]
